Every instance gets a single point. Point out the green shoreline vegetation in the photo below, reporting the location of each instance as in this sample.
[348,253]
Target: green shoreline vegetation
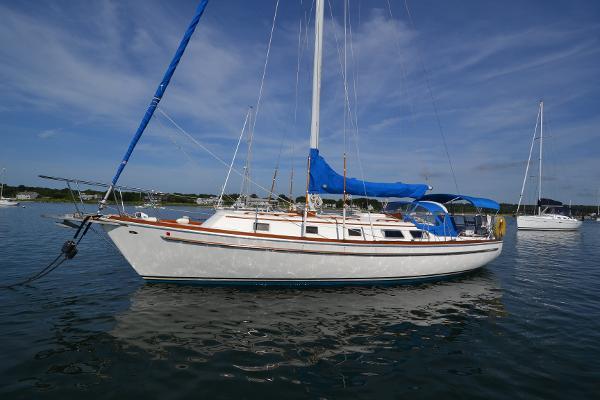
[51,195]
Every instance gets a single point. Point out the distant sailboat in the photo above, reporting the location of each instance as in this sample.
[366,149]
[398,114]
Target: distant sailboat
[551,215]
[598,210]
[5,201]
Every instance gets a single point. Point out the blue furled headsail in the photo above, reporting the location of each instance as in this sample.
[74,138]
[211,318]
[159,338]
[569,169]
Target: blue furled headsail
[323,179]
[162,87]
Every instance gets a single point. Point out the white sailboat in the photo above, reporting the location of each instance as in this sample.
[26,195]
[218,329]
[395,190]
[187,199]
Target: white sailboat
[551,215]
[254,246]
[598,209]
[5,201]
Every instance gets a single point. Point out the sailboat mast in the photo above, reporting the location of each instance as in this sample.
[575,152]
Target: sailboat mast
[2,183]
[316,95]
[537,120]
[541,147]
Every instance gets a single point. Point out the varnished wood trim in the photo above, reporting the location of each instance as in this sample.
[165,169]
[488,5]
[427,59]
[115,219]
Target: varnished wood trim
[173,225]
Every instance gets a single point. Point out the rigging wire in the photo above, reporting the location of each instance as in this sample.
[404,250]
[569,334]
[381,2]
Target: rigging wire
[433,101]
[260,94]
[356,135]
[298,69]
[264,73]
[348,109]
[193,140]
[213,155]
[276,169]
[550,146]
[233,158]
[404,83]
[302,45]
[528,160]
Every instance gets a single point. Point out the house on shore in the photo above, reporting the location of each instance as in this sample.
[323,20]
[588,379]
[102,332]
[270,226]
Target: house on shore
[88,197]
[207,201]
[27,195]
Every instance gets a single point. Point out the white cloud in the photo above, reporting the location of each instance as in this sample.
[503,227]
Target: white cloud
[48,133]
[98,76]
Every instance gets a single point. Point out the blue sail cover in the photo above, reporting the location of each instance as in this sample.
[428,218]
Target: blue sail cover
[323,179]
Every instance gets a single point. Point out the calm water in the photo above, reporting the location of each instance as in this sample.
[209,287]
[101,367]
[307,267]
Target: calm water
[527,326]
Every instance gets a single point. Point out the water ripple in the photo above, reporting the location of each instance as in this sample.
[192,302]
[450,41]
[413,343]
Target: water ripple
[525,326]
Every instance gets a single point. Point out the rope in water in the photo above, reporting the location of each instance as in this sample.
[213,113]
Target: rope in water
[68,251]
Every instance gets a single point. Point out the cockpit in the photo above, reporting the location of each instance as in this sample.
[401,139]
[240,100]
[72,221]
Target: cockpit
[449,215]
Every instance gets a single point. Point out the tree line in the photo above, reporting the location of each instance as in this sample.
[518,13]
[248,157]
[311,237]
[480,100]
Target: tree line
[228,199]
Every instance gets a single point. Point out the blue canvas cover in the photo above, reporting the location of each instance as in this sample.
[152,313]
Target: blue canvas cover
[323,179]
[444,225]
[432,207]
[478,202]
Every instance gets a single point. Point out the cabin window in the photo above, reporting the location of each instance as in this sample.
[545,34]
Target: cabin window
[459,221]
[354,232]
[393,234]
[312,229]
[470,221]
[259,226]
[417,234]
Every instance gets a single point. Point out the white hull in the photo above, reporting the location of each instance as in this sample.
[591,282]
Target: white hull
[8,203]
[179,254]
[547,223]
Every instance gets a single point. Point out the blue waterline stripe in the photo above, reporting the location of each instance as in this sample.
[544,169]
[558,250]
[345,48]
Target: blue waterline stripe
[305,282]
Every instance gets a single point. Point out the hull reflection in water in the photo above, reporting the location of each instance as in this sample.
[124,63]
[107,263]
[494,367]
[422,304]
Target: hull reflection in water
[546,244]
[270,328]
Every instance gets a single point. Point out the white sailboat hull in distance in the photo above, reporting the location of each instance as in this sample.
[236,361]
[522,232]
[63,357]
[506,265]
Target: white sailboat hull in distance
[547,222]
[168,253]
[8,203]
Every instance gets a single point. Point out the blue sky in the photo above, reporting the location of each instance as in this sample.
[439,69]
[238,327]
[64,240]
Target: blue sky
[76,78]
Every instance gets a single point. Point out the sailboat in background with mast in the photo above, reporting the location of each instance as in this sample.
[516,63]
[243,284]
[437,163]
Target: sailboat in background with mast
[242,245]
[598,209]
[4,201]
[551,215]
